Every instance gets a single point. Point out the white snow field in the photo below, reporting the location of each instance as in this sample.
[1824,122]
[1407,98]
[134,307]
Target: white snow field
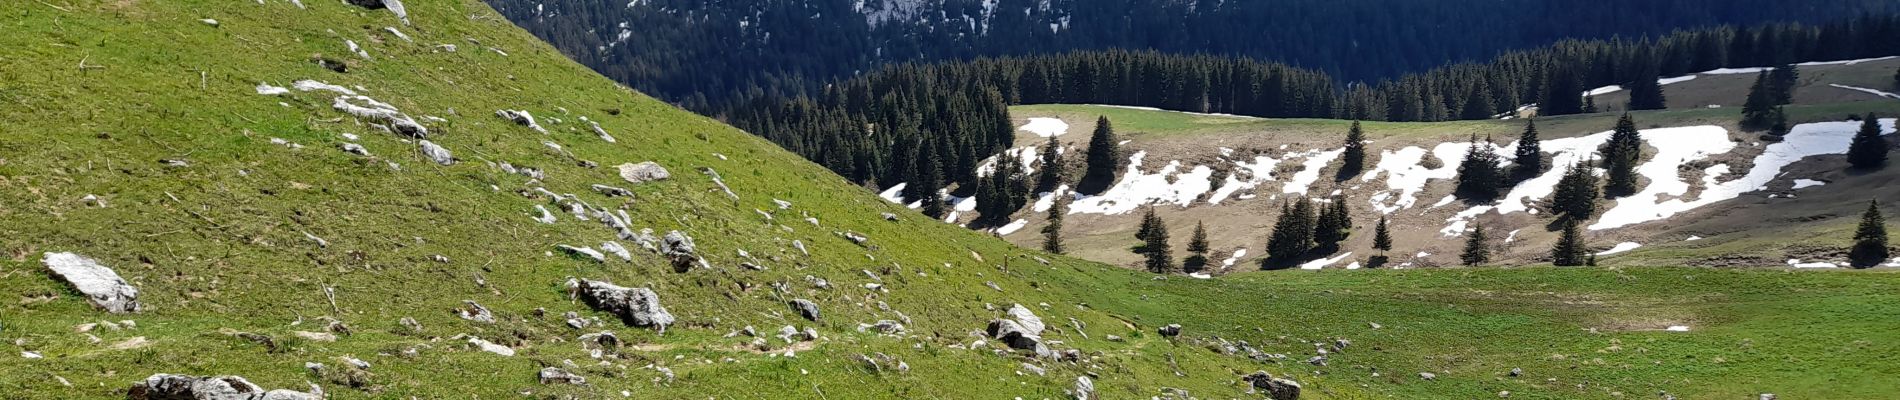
[1137,189]
[1046,127]
[1322,263]
[1875,92]
[1620,247]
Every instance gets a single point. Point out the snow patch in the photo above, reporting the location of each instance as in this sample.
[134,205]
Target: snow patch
[1803,183]
[1620,247]
[1309,172]
[1875,92]
[1323,262]
[1012,227]
[1046,127]
[1137,189]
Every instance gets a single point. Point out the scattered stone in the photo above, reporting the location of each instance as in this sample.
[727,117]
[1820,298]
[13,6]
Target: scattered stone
[805,308]
[1027,319]
[411,324]
[611,191]
[613,247]
[491,347]
[399,35]
[634,306]
[437,153]
[721,183]
[588,253]
[100,284]
[643,172]
[887,327]
[475,312]
[354,148]
[552,375]
[1274,388]
[31,355]
[546,217]
[782,204]
[1171,330]
[316,336]
[93,200]
[992,285]
[1113,338]
[227,387]
[800,245]
[1517,372]
[855,237]
[175,163]
[890,217]
[1427,376]
[817,282]
[1032,368]
[1341,344]
[678,248]
[1767,396]
[394,6]
[602,133]
[1318,361]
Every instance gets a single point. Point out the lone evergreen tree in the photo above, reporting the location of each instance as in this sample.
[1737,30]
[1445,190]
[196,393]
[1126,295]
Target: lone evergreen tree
[1476,250]
[1569,250]
[1575,196]
[1757,110]
[1479,174]
[1160,259]
[1104,157]
[1052,233]
[1381,241]
[1620,156]
[1197,250]
[1868,150]
[1292,236]
[1354,160]
[1646,93]
[1050,176]
[1870,241]
[1149,222]
[1590,104]
[1529,159]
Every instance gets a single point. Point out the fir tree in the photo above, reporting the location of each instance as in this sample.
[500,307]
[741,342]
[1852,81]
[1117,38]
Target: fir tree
[1868,150]
[1562,93]
[1620,157]
[1757,110]
[1381,241]
[1590,104]
[1476,251]
[930,186]
[1160,259]
[1777,124]
[1896,79]
[1052,233]
[1646,93]
[1197,249]
[1050,176]
[1575,196]
[1870,241]
[1479,174]
[1569,250]
[1333,226]
[1529,159]
[1104,157]
[1478,104]
[1149,222]
[1292,236]
[1354,160]
[1781,83]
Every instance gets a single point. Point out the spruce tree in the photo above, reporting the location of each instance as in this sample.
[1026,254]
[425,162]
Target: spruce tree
[1868,150]
[1333,226]
[1896,79]
[1052,233]
[1104,158]
[1620,157]
[1149,222]
[1590,104]
[1381,241]
[1870,241]
[1757,110]
[1777,124]
[1160,259]
[1476,251]
[1646,93]
[1354,160]
[1050,176]
[930,181]
[1562,93]
[1197,249]
[1479,174]
[1292,236]
[1781,82]
[1478,104]
[1575,196]
[1529,160]
[1569,250]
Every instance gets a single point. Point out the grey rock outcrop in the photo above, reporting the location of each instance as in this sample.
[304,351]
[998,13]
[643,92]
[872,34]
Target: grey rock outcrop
[437,153]
[1274,388]
[552,375]
[806,308]
[634,306]
[1027,318]
[100,284]
[226,387]
[1171,330]
[643,172]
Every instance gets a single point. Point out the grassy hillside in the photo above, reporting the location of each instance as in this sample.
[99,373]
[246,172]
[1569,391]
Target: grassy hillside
[218,239]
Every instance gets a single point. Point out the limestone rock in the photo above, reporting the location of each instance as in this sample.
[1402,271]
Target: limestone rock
[436,153]
[1028,319]
[643,172]
[635,306]
[806,309]
[1171,330]
[100,284]
[552,375]
[1274,388]
[226,387]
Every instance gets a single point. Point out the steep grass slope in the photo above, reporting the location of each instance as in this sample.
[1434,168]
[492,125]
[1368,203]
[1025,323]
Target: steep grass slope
[133,132]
